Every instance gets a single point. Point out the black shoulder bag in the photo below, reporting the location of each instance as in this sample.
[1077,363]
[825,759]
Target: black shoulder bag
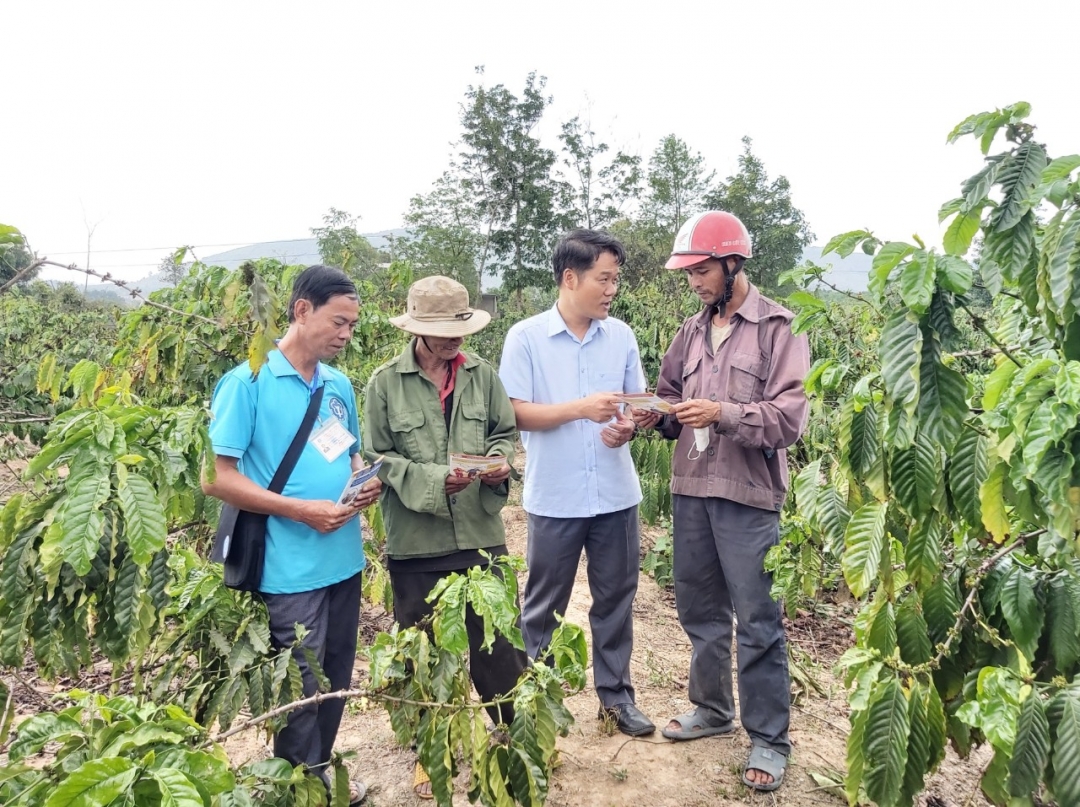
[240,540]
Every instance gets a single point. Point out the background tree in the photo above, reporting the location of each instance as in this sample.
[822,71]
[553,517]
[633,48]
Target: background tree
[173,268]
[340,244]
[445,235]
[779,229]
[508,173]
[676,185]
[15,256]
[597,189]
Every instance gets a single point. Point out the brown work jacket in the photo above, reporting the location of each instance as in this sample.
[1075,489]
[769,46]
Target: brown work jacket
[757,376]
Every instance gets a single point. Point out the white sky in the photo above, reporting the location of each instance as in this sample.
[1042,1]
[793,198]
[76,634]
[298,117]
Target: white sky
[225,123]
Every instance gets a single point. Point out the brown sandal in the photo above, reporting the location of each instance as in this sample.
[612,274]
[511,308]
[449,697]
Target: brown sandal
[420,778]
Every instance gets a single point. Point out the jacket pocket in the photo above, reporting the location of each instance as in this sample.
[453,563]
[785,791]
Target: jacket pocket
[690,381]
[746,384]
[473,428]
[493,499]
[408,427]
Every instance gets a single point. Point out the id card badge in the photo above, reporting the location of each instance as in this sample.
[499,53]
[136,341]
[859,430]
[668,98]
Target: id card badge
[332,439]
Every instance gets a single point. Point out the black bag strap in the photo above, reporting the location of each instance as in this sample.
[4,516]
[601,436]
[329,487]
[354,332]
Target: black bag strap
[288,462]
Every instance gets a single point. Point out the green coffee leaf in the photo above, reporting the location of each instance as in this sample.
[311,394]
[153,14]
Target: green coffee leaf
[1067,751]
[1022,609]
[886,744]
[1031,751]
[864,540]
[95,782]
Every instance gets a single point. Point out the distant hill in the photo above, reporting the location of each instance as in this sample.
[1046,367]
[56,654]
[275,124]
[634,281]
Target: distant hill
[849,274]
[304,251]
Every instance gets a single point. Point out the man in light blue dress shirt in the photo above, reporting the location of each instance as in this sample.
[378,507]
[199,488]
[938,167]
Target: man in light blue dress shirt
[562,370]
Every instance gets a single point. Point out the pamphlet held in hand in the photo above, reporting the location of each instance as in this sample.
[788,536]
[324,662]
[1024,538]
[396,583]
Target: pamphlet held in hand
[645,400]
[357,481]
[472,466]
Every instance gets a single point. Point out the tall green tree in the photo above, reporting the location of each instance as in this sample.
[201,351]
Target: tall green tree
[598,188]
[340,244]
[445,235]
[676,186]
[508,173]
[779,229]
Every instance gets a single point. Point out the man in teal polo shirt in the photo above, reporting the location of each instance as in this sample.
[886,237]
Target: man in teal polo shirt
[314,550]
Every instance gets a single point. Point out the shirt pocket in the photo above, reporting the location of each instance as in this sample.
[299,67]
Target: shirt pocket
[409,438]
[473,427]
[691,380]
[746,383]
[607,381]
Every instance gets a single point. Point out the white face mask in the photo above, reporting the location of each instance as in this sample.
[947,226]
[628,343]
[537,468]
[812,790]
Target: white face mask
[701,443]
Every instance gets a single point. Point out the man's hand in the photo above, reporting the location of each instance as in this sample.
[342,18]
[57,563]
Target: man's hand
[618,433]
[456,484]
[369,494]
[496,477]
[599,407]
[324,515]
[644,418]
[697,412]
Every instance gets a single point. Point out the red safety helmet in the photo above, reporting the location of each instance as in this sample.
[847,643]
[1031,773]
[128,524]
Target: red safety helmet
[713,234]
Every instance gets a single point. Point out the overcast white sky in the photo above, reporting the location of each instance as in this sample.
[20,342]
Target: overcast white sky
[225,123]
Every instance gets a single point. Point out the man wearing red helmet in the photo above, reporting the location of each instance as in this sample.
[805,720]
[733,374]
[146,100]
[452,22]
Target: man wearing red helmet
[734,373]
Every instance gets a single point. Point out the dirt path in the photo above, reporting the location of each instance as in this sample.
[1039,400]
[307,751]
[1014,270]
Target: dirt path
[611,770]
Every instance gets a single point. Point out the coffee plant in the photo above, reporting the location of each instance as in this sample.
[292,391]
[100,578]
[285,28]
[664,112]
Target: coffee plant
[103,559]
[953,499]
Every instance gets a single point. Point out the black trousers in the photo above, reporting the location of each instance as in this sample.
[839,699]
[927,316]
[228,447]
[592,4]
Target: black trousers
[332,617]
[493,673]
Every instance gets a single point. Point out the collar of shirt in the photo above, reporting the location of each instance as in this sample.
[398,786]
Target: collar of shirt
[280,366]
[557,325]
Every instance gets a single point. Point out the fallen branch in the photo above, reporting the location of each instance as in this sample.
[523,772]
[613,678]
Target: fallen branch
[345,694]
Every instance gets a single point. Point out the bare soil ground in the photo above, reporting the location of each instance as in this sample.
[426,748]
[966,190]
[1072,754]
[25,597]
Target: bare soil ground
[604,768]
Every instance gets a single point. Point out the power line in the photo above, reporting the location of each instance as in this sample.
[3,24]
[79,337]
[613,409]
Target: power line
[280,256]
[175,246]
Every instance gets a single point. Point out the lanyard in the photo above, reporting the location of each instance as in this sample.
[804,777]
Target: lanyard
[314,385]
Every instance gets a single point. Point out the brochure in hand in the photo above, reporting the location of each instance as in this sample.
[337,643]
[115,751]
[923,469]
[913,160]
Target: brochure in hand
[646,401]
[357,481]
[472,466]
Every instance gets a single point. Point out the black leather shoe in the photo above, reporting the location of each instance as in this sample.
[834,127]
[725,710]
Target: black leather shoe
[628,718]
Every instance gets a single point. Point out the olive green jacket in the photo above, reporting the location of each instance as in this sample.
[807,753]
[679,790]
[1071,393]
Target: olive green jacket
[404,423]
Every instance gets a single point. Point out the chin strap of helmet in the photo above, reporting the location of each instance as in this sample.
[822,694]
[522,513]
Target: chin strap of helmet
[720,306]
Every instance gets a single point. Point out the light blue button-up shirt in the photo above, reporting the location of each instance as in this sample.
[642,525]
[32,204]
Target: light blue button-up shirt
[569,472]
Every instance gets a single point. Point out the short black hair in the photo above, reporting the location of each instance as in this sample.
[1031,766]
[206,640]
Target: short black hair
[317,284]
[579,249]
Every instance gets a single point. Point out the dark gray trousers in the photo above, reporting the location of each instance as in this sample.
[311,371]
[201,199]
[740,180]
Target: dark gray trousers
[719,557]
[493,673]
[611,543]
[332,617]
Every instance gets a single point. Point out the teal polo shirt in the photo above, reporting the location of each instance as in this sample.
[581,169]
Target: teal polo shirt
[255,420]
